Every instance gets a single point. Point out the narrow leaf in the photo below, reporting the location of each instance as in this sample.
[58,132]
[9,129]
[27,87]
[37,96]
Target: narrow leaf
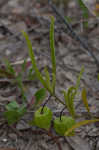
[81,123]
[84,98]
[53,82]
[31,74]
[31,54]
[98,76]
[20,85]
[47,79]
[79,77]
[70,96]
[69,100]
[24,65]
[9,68]
[52,46]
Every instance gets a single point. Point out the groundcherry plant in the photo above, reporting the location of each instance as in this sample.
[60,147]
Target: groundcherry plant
[43,116]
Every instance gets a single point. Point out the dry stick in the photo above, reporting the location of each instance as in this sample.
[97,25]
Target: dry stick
[7,30]
[59,100]
[74,35]
[56,140]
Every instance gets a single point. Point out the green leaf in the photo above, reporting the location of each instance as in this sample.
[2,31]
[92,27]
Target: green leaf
[31,74]
[61,126]
[98,77]
[83,7]
[43,120]
[12,106]
[52,46]
[79,77]
[69,99]
[20,85]
[53,82]
[85,101]
[14,115]
[81,123]
[31,54]
[69,96]
[11,116]
[24,65]
[9,67]
[47,79]
[21,111]
[40,96]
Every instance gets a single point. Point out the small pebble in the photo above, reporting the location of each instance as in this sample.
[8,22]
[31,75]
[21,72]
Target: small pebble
[4,140]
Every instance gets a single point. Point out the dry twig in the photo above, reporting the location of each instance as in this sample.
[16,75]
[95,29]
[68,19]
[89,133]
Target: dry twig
[74,35]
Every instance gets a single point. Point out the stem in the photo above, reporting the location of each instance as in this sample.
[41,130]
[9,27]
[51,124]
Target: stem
[45,103]
[59,100]
[61,113]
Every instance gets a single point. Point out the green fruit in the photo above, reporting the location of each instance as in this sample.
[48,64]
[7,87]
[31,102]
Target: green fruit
[43,120]
[61,126]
